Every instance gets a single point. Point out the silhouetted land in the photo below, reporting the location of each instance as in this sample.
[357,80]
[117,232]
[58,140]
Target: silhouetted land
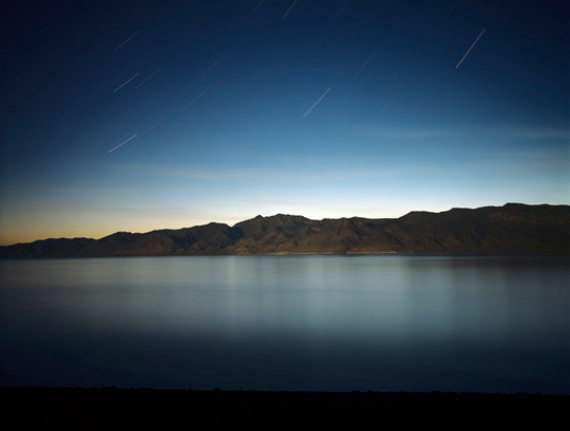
[512,228]
[109,408]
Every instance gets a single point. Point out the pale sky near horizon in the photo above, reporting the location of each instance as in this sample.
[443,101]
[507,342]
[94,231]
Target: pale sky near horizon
[142,115]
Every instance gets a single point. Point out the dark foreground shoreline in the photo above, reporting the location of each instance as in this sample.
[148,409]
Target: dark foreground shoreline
[110,408]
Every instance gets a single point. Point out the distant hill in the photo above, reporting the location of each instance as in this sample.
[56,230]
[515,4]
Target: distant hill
[510,229]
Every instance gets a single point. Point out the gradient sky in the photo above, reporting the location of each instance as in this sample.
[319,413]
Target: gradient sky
[139,115]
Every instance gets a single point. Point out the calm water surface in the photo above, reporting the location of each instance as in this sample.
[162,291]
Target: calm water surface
[288,323]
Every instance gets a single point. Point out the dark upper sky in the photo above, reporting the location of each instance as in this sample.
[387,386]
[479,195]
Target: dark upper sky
[135,115]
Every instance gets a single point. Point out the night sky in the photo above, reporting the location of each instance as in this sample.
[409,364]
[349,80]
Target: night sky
[140,115]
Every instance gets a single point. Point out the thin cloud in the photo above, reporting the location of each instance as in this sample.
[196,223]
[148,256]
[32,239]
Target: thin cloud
[265,175]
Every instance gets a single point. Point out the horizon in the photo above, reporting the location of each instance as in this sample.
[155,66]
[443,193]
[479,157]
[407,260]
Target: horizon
[275,215]
[123,116]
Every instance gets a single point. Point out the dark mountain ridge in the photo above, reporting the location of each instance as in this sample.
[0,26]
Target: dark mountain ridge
[510,229]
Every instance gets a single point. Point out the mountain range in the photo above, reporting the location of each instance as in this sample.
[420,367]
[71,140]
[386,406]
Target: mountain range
[510,229]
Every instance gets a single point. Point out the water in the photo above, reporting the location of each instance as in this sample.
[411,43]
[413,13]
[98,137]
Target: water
[288,323]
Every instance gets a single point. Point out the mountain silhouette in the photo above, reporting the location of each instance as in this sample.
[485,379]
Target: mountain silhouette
[510,229]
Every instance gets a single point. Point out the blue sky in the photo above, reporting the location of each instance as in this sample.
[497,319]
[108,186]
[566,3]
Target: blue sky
[139,115]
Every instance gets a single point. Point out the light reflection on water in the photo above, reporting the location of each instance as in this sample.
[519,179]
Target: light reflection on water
[288,322]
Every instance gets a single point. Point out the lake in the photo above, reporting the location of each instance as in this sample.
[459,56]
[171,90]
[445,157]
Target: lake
[414,323]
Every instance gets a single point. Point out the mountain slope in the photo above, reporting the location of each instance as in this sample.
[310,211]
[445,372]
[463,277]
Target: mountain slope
[512,228]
